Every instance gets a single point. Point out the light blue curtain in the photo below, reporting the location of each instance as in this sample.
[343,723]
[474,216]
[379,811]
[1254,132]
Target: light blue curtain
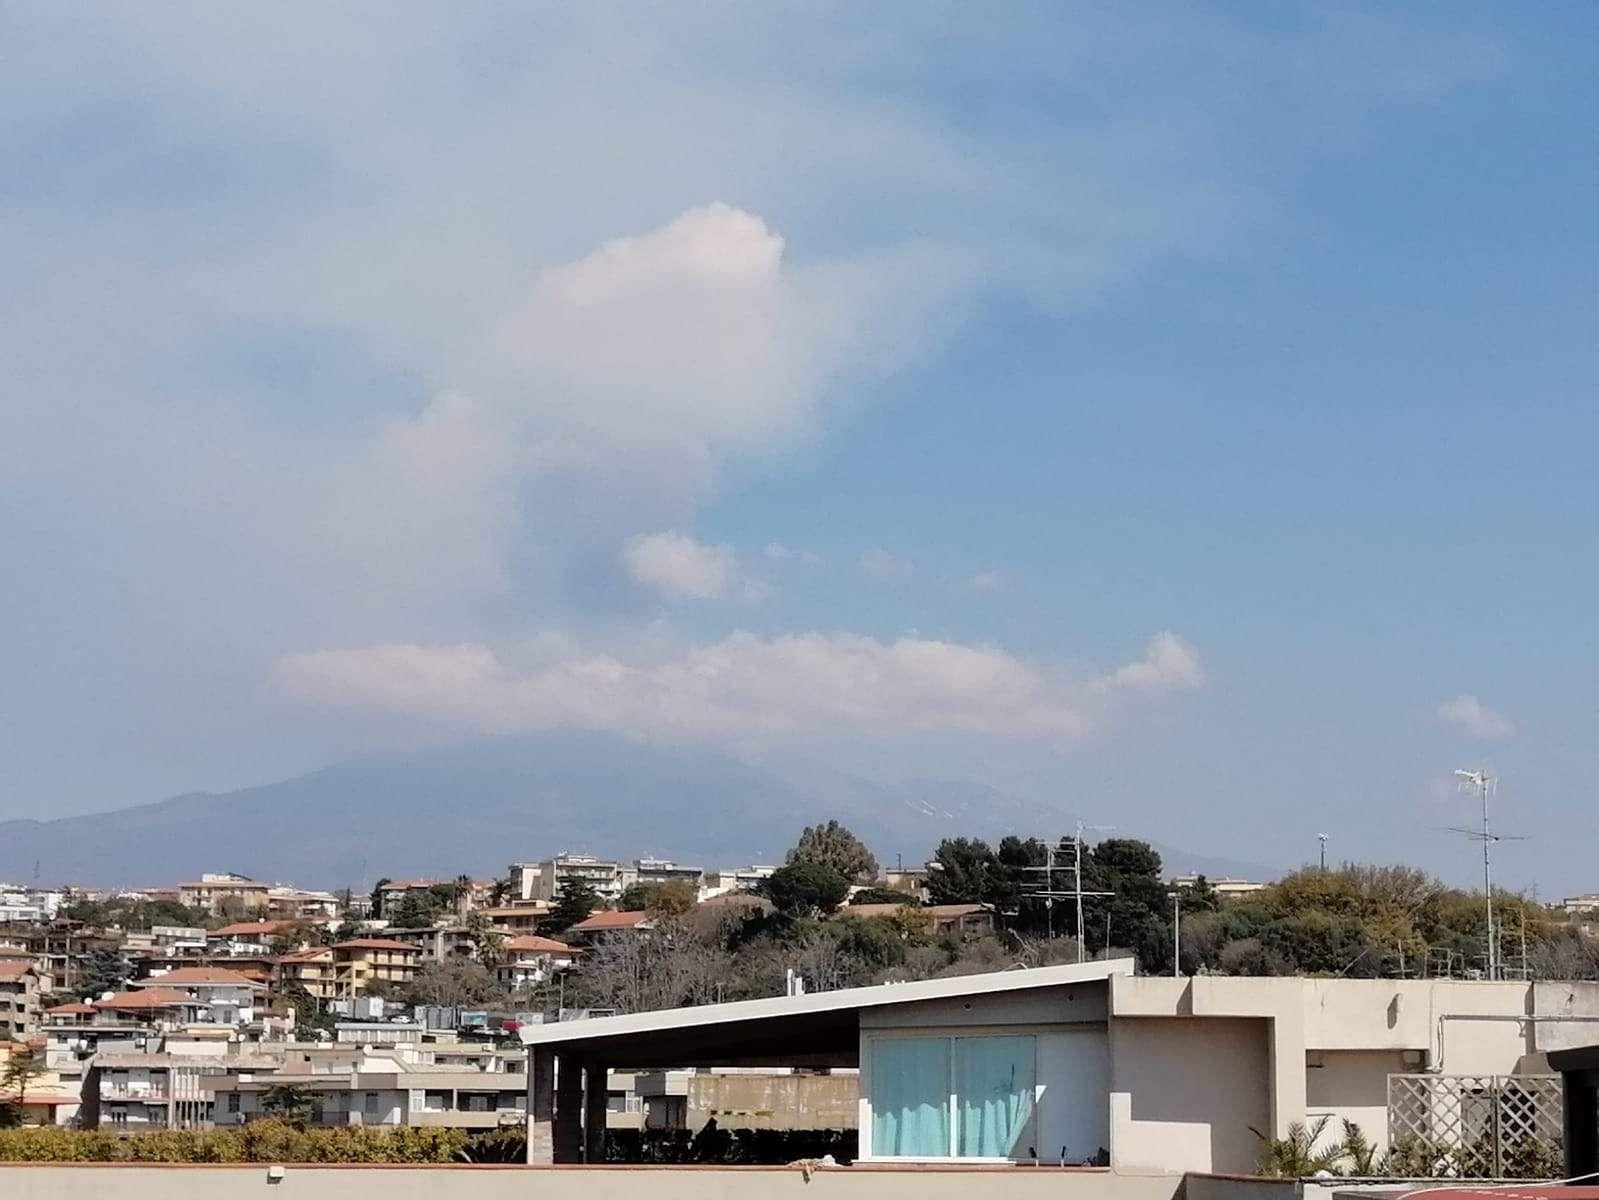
[994,1079]
[910,1097]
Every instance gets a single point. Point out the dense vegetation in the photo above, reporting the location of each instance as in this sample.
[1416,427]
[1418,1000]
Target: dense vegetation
[259,1141]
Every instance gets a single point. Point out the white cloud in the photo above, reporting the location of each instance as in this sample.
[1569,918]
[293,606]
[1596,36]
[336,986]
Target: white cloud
[1471,716]
[880,564]
[741,686]
[984,581]
[679,567]
[1169,664]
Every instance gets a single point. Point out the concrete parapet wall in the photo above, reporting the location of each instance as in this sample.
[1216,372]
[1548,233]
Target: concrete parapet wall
[50,1181]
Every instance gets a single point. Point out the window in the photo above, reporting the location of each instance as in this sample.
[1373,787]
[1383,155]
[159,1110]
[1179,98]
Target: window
[942,1097]
[233,1102]
[370,1104]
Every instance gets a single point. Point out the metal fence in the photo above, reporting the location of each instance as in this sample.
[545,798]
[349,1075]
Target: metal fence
[1475,1126]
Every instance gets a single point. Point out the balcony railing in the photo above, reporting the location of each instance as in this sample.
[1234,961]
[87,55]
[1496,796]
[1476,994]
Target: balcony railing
[121,1091]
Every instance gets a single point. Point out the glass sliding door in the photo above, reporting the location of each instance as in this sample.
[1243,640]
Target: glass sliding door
[953,1097]
[994,1078]
[910,1097]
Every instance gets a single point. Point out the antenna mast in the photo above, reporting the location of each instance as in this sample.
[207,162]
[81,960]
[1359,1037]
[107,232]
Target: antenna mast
[1077,895]
[1485,785]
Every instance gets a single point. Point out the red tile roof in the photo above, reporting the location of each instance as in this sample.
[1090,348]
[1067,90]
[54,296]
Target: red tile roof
[10,968]
[249,929]
[373,944]
[612,920]
[187,975]
[155,997]
[530,943]
[69,1009]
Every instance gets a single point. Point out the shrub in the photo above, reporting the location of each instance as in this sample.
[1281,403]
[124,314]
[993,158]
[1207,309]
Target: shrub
[259,1141]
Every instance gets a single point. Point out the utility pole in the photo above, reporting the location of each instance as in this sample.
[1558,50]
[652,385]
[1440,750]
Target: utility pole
[1176,934]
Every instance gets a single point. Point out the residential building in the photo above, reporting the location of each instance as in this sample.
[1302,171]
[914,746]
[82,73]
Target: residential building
[360,962]
[524,880]
[151,1090]
[21,986]
[179,940]
[46,1100]
[518,918]
[310,971]
[608,879]
[940,918]
[17,906]
[383,1087]
[659,870]
[1582,905]
[1082,1063]
[228,997]
[736,879]
[225,894]
[61,946]
[152,1007]
[245,937]
[436,942]
[610,924]
[296,904]
[1226,887]
[528,961]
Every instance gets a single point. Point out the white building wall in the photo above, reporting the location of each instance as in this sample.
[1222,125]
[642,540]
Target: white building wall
[1184,1093]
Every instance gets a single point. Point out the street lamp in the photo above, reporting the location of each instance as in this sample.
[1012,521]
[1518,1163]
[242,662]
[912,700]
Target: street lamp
[1322,838]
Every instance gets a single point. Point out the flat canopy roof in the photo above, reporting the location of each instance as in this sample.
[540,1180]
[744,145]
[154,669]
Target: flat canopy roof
[821,1029]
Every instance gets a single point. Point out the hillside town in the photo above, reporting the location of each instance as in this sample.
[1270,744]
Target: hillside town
[225,1000]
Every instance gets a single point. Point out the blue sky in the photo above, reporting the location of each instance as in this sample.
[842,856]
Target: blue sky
[1183,415]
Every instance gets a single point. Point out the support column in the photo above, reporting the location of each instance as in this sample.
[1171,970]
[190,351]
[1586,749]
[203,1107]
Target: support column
[596,1084]
[568,1109]
[540,1106]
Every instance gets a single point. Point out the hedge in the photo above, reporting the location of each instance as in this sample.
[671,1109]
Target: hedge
[259,1141]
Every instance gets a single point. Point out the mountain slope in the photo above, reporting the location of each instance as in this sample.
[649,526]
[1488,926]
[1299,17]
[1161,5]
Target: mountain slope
[477,807]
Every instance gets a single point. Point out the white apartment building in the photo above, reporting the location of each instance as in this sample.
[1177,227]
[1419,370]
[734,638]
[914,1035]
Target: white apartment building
[149,1090]
[400,1086]
[543,880]
[228,997]
[529,960]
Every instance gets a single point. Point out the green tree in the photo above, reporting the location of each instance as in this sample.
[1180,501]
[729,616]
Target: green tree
[1017,877]
[290,1103]
[487,941]
[23,1069]
[461,894]
[377,896]
[104,970]
[1297,1156]
[419,908]
[575,904]
[834,846]
[1135,913]
[673,899]
[963,871]
[885,896]
[806,889]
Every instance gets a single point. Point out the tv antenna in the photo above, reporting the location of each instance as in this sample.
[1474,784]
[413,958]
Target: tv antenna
[1077,894]
[1484,785]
